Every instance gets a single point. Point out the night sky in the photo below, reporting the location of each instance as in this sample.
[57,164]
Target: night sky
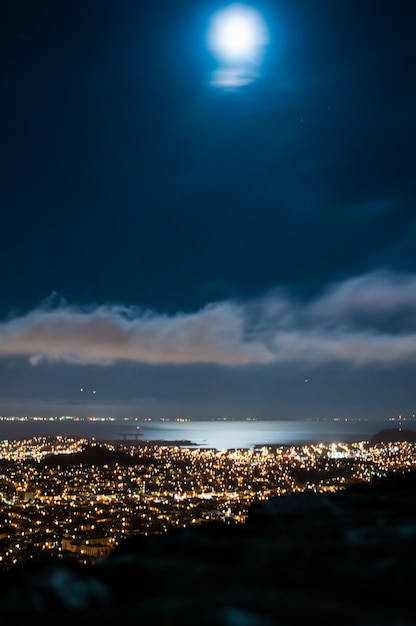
[187,247]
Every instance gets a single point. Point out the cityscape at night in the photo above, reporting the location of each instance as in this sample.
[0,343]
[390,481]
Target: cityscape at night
[207,312]
[87,505]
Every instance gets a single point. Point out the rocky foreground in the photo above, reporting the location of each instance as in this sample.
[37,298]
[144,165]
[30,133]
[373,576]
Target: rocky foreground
[344,558]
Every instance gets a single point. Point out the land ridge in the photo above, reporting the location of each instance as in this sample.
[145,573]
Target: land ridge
[346,557]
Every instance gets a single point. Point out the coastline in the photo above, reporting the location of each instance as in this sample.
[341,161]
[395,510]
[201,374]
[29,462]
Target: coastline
[202,434]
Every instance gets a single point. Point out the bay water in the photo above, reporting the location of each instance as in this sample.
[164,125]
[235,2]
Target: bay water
[219,434]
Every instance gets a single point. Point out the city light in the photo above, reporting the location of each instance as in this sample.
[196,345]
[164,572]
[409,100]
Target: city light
[84,509]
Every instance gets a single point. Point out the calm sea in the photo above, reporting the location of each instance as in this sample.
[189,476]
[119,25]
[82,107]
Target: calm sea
[221,435]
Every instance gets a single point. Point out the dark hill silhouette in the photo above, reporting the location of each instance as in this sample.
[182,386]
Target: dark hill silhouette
[344,558]
[6,464]
[92,454]
[390,435]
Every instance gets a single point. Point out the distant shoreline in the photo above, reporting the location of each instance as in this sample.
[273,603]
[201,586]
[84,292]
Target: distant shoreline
[204,435]
[172,420]
[154,442]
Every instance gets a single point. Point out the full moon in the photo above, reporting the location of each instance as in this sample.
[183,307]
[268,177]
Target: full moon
[237,34]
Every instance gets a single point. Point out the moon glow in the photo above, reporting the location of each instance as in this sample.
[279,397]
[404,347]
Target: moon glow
[237,33]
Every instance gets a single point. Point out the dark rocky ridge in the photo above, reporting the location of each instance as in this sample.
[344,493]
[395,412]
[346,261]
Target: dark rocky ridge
[343,558]
[391,435]
[89,455]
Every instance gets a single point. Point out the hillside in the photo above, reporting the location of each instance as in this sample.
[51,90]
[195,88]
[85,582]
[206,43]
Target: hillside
[90,455]
[390,435]
[345,558]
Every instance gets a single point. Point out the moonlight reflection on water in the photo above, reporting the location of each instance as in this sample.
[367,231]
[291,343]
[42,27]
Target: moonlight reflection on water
[221,434]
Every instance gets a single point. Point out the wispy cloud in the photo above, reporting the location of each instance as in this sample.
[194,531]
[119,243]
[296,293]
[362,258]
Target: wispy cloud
[111,333]
[365,320]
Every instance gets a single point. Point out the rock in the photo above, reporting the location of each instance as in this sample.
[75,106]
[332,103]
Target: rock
[347,558]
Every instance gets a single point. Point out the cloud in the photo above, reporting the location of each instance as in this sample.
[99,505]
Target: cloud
[358,348]
[111,333]
[369,319]
[376,293]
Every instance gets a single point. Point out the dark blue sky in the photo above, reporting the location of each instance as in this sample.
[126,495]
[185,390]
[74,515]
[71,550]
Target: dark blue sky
[186,249]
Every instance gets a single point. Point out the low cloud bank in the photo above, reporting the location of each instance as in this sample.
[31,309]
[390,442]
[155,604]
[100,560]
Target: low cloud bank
[364,320]
[111,333]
